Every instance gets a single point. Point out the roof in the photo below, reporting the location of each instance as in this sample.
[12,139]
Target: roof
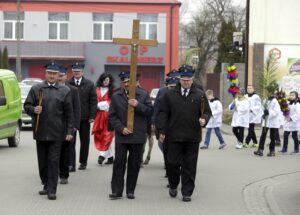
[108,1]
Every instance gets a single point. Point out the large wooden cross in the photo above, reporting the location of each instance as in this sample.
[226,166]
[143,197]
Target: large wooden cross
[135,41]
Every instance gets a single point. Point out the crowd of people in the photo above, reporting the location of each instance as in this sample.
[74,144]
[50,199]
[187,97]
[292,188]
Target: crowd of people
[60,108]
[249,110]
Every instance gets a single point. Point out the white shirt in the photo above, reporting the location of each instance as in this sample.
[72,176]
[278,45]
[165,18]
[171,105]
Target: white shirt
[187,91]
[79,81]
[103,90]
[49,84]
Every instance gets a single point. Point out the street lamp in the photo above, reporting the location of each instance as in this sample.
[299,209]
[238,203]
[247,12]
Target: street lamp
[18,51]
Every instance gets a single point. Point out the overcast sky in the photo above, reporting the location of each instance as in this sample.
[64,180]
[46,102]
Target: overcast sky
[193,6]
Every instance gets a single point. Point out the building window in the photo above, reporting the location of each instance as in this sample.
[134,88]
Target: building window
[103,26]
[11,25]
[58,26]
[148,26]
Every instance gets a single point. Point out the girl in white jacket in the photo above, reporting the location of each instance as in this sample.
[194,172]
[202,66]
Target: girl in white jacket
[292,124]
[240,119]
[255,115]
[215,122]
[271,118]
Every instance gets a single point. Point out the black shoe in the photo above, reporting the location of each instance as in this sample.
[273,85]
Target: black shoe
[100,159]
[271,154]
[130,196]
[51,196]
[109,161]
[115,196]
[72,169]
[64,181]
[173,192]
[43,192]
[259,152]
[82,167]
[186,199]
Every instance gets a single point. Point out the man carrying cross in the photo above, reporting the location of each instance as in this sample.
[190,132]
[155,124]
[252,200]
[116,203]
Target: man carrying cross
[127,140]
[129,109]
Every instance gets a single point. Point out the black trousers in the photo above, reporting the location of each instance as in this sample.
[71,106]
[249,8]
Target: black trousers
[165,153]
[239,133]
[143,151]
[133,167]
[251,134]
[263,137]
[182,162]
[84,135]
[277,139]
[48,153]
[286,135]
[72,151]
[64,160]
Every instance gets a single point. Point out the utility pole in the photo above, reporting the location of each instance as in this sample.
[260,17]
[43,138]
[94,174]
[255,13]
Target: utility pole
[247,44]
[18,34]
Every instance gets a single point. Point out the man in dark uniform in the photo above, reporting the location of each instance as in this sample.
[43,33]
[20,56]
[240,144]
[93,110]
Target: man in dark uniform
[181,113]
[65,149]
[171,81]
[50,106]
[126,140]
[88,101]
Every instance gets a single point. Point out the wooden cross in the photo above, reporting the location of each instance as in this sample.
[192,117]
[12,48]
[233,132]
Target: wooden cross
[135,41]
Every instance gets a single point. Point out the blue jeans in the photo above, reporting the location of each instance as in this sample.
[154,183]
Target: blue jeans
[218,133]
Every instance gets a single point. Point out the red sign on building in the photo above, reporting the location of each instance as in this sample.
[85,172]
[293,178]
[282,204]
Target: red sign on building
[125,58]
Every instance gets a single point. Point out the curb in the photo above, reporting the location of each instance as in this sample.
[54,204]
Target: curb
[258,195]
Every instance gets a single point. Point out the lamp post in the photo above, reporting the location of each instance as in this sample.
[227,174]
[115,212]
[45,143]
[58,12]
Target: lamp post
[18,51]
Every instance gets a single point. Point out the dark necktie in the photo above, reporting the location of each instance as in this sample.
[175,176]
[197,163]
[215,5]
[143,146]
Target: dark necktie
[127,93]
[77,83]
[185,93]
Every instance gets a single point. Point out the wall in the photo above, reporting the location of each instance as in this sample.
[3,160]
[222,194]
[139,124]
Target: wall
[166,34]
[81,27]
[121,20]
[36,26]
[274,21]
[97,53]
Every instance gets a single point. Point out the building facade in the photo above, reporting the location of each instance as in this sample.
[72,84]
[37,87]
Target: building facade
[70,31]
[274,31]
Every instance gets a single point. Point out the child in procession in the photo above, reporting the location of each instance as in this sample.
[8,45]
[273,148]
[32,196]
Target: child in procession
[215,121]
[240,119]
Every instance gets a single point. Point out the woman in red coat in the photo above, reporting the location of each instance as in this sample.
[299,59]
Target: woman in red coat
[102,137]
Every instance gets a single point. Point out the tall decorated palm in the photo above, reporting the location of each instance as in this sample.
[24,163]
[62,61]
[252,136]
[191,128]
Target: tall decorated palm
[232,79]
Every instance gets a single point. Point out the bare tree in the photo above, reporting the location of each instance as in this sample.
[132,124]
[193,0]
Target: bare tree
[203,30]
[225,10]
[202,33]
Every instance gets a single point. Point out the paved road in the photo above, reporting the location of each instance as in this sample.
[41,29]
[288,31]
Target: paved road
[228,182]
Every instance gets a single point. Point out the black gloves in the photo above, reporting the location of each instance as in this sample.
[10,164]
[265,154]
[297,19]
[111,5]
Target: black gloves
[266,112]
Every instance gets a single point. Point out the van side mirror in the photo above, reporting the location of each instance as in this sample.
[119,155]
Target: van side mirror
[2,100]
